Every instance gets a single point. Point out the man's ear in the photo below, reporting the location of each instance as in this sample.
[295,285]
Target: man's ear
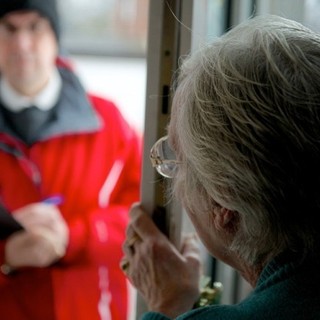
[225,219]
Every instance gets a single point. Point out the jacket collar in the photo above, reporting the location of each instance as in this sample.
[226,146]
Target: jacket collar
[73,113]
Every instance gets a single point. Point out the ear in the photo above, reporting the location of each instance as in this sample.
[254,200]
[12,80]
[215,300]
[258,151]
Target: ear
[225,219]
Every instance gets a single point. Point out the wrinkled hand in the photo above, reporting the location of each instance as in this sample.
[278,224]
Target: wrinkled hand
[167,279]
[44,239]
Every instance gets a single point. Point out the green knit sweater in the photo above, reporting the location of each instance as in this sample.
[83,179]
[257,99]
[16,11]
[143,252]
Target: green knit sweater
[288,289]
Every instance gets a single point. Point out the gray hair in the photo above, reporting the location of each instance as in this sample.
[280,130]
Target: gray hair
[248,128]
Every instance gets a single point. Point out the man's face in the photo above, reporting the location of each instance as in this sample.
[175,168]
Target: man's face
[28,48]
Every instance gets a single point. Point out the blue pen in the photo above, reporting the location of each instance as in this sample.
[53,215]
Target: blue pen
[54,200]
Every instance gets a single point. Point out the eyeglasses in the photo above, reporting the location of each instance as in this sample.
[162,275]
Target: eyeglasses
[163,158]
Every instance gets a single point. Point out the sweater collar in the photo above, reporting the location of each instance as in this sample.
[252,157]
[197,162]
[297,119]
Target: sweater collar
[285,264]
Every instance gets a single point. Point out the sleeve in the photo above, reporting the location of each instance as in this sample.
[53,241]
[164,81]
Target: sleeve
[2,251]
[127,189]
[103,229]
[78,235]
[113,216]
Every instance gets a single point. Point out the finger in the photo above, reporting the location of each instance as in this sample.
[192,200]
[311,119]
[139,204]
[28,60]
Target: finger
[37,214]
[130,232]
[126,250]
[142,223]
[129,244]
[131,241]
[124,265]
[190,247]
[37,248]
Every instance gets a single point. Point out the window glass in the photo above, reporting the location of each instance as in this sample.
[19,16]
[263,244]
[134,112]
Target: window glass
[209,20]
[311,18]
[106,42]
[303,11]
[108,27]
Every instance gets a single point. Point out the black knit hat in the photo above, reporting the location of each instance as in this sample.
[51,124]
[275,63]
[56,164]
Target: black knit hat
[47,8]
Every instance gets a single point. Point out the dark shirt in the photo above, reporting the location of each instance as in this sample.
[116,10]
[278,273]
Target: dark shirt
[28,123]
[72,113]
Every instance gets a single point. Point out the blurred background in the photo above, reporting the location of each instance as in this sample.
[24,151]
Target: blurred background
[107,41]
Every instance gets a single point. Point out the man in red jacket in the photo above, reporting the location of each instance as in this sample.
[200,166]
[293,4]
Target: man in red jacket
[69,170]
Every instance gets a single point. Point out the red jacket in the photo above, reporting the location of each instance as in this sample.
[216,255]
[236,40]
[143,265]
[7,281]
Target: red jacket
[91,157]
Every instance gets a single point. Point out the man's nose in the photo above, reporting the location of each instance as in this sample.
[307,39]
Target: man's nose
[22,40]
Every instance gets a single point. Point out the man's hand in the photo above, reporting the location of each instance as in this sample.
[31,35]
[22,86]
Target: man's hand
[43,241]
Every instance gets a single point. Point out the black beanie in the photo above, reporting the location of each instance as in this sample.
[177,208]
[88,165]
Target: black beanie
[47,8]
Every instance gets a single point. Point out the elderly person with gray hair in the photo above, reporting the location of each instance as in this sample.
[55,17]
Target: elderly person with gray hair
[245,132]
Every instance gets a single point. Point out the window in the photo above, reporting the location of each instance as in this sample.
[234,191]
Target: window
[104,27]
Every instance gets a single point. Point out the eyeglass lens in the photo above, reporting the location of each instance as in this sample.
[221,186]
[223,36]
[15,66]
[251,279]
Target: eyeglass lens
[167,163]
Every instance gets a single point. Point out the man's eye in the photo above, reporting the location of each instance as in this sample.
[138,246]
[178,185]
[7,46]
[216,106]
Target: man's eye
[7,28]
[40,25]
[36,26]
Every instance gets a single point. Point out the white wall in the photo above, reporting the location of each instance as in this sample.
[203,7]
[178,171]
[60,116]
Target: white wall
[121,80]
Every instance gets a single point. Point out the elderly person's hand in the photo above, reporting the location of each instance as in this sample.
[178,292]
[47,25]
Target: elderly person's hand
[43,241]
[167,278]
